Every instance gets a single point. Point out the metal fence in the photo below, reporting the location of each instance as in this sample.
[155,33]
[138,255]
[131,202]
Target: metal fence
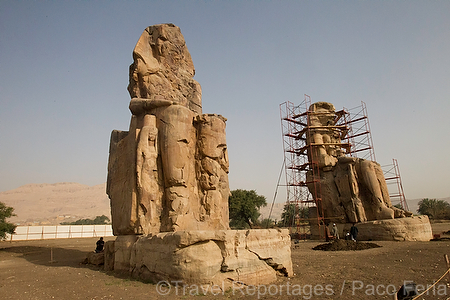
[24,233]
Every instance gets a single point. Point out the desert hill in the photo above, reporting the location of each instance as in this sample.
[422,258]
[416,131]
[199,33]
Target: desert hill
[41,204]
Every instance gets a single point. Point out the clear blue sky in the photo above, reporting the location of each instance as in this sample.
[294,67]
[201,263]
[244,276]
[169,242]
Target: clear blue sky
[64,74]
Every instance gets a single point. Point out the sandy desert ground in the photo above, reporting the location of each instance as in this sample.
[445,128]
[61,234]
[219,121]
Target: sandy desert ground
[51,269]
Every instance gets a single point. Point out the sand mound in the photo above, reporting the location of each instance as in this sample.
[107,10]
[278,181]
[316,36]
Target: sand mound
[344,245]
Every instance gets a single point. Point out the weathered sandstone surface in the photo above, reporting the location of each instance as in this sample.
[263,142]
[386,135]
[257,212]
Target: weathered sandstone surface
[417,228]
[254,256]
[168,181]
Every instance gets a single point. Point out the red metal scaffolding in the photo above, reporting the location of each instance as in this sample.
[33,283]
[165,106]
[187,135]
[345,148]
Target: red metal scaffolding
[358,136]
[394,182]
[300,157]
[293,121]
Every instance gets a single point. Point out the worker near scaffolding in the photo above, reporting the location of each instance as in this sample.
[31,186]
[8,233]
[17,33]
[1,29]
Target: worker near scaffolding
[335,231]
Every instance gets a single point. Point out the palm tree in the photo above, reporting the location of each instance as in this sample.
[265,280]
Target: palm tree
[434,209]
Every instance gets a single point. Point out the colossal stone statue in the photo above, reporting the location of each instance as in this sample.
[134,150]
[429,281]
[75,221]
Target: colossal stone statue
[352,189]
[169,172]
[168,182]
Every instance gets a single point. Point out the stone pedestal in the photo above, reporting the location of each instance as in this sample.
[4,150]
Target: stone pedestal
[122,252]
[218,257]
[416,228]
[109,256]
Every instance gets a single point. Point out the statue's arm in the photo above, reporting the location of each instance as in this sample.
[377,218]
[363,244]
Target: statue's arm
[140,105]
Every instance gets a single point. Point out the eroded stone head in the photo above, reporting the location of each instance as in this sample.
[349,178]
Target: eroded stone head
[163,68]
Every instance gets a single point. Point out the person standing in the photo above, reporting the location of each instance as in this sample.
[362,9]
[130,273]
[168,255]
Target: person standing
[335,231]
[353,232]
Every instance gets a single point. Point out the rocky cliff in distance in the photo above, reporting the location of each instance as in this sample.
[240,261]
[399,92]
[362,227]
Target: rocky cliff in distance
[51,204]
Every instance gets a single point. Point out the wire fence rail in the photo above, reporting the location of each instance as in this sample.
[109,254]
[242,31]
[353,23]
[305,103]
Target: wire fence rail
[43,232]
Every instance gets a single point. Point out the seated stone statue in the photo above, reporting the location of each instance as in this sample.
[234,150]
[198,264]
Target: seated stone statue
[352,189]
[169,172]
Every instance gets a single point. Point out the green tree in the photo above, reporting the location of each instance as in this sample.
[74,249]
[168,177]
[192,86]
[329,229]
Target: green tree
[288,215]
[6,227]
[398,205]
[244,208]
[99,220]
[434,209]
[268,223]
[292,211]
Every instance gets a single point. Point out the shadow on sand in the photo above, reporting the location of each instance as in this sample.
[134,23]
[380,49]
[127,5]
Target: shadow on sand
[47,255]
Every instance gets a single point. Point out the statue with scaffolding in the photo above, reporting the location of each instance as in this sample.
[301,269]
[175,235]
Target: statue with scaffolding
[331,169]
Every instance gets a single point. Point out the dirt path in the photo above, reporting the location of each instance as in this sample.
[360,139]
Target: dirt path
[28,272]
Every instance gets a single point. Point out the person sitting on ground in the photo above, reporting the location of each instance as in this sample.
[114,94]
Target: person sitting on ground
[100,245]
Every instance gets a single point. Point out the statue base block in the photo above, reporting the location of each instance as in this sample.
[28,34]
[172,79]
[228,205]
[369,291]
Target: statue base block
[221,257]
[416,228]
